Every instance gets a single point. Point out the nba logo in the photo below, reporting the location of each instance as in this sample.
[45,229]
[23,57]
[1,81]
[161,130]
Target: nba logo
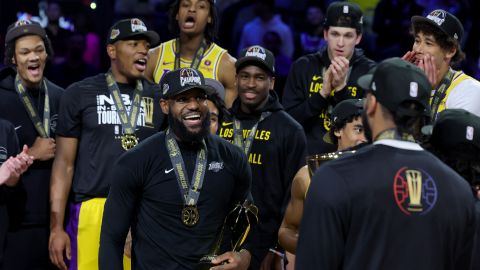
[469,134]
[413,89]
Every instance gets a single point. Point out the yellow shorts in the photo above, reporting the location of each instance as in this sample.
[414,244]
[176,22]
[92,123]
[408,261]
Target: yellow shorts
[84,228]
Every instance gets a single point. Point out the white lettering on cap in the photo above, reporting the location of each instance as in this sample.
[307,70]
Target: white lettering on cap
[437,16]
[413,89]
[256,52]
[137,25]
[469,134]
[189,76]
[345,9]
[374,87]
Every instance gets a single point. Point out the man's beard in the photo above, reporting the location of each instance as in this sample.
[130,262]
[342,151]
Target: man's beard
[366,127]
[182,133]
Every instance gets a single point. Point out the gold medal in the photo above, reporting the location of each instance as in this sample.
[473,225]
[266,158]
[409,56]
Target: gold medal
[190,215]
[129,141]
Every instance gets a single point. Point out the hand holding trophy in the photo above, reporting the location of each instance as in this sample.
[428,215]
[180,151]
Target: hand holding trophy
[239,222]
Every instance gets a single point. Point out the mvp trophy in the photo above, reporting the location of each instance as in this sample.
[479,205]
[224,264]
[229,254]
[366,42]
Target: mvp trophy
[239,222]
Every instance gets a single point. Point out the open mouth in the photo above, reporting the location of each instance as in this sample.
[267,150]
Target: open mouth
[34,70]
[141,64]
[192,119]
[189,22]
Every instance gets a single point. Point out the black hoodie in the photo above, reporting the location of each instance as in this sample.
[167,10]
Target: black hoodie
[33,208]
[302,99]
[277,153]
[8,148]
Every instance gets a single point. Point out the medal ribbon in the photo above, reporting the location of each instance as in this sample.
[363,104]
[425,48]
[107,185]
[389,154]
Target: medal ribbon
[129,121]
[238,140]
[198,54]
[392,134]
[43,129]
[190,192]
[439,94]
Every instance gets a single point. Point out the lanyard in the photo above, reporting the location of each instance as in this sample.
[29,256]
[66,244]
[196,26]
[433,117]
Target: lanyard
[238,140]
[198,54]
[439,94]
[392,134]
[190,191]
[129,121]
[42,128]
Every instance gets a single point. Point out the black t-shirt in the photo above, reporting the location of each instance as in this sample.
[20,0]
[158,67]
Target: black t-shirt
[88,113]
[391,205]
[145,194]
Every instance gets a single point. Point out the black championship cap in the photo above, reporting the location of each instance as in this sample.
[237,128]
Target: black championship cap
[341,112]
[444,21]
[131,29]
[456,129]
[394,81]
[183,79]
[217,86]
[22,28]
[258,56]
[344,14]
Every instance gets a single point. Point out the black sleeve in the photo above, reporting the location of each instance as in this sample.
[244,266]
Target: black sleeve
[296,152]
[118,213]
[12,149]
[70,118]
[476,247]
[296,99]
[324,225]
[243,181]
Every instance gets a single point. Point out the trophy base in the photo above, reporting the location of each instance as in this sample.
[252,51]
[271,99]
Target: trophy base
[205,262]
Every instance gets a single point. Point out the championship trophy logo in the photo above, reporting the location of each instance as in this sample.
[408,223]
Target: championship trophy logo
[148,106]
[415,191]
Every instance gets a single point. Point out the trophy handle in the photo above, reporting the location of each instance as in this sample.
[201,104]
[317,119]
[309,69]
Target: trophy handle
[246,218]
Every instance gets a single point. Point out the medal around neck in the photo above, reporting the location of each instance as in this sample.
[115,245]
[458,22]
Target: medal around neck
[129,141]
[190,215]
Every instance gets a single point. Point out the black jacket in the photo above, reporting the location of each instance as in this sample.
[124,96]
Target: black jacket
[8,147]
[33,208]
[391,205]
[277,153]
[302,99]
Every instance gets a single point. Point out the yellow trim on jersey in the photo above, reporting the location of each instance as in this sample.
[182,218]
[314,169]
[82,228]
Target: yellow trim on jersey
[457,78]
[209,66]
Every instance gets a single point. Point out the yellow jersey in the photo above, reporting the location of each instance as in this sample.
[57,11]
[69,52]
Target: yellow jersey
[458,77]
[208,66]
